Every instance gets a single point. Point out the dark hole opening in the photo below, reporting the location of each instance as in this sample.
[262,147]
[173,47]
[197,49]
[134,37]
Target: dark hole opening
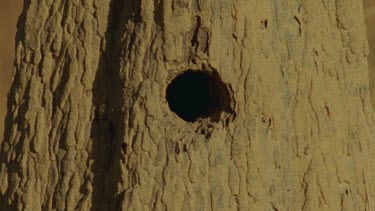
[197,94]
[265,23]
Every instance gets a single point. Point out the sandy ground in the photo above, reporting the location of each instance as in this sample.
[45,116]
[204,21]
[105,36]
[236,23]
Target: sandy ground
[9,11]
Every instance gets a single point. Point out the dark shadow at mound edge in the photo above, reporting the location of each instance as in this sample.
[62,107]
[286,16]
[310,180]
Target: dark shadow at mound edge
[11,165]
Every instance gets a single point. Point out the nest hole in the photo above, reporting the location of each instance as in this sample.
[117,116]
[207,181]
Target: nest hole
[198,94]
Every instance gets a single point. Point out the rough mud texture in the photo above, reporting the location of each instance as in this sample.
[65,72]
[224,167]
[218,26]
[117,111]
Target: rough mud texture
[89,126]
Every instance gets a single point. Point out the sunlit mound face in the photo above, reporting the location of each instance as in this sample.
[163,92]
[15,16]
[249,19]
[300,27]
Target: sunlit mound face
[196,94]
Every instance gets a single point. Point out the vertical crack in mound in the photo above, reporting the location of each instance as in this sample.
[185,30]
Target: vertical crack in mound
[194,40]
[198,94]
